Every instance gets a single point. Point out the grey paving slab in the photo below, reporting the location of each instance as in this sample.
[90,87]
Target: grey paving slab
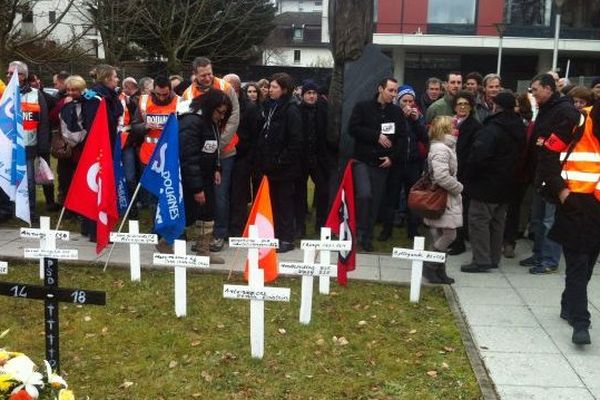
[366,273]
[514,339]
[507,392]
[367,260]
[595,392]
[487,296]
[540,297]
[528,281]
[494,315]
[543,370]
[488,280]
[549,316]
[561,335]
[391,274]
[588,368]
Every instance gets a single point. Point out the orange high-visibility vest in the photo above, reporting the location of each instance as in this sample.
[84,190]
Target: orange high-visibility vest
[194,90]
[155,117]
[124,119]
[581,171]
[31,117]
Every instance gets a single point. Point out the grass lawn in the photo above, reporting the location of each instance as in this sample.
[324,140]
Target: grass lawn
[365,341]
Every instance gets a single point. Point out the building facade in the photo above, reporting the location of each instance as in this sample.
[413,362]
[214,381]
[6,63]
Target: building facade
[432,37]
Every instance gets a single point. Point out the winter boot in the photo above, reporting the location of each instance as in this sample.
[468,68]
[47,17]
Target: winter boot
[430,272]
[441,272]
[205,229]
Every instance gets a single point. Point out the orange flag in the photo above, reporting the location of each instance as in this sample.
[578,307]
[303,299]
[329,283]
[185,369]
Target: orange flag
[261,215]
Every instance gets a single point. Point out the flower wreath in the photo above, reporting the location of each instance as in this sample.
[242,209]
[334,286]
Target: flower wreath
[20,380]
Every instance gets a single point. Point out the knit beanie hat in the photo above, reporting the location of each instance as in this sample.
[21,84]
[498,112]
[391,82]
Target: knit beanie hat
[404,90]
[309,84]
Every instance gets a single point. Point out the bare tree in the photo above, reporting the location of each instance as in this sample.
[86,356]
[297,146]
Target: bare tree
[350,30]
[33,47]
[221,29]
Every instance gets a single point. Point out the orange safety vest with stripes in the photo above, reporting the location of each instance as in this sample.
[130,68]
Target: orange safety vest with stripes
[124,120]
[31,117]
[581,167]
[194,91]
[155,117]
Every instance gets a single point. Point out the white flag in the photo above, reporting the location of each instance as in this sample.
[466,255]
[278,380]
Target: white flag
[13,162]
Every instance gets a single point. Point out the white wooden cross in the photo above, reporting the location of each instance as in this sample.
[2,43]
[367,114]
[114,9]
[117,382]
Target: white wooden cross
[326,246]
[417,255]
[134,238]
[3,268]
[47,238]
[256,291]
[308,269]
[180,261]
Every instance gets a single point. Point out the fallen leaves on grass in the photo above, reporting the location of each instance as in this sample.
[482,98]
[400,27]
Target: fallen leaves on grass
[125,385]
[341,341]
[432,373]
[172,364]
[207,377]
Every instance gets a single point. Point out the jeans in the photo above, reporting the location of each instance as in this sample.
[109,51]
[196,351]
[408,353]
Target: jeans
[222,196]
[128,157]
[546,251]
[574,298]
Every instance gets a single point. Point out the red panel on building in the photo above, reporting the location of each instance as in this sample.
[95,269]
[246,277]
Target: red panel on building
[489,13]
[402,16]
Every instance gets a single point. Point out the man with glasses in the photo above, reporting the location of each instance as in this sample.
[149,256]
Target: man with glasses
[36,130]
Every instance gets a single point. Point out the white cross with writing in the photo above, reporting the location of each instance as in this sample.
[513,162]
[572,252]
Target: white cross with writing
[308,269]
[326,246]
[181,262]
[417,255]
[3,268]
[134,238]
[47,238]
[256,291]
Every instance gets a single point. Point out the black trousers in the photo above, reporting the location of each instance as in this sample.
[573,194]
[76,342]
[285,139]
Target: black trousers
[513,215]
[240,195]
[66,170]
[401,177]
[282,201]
[320,177]
[580,266]
[369,186]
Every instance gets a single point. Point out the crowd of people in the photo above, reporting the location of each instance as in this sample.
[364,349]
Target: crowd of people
[502,157]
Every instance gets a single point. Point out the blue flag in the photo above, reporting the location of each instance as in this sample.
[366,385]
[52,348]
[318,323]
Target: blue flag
[120,181]
[13,167]
[162,177]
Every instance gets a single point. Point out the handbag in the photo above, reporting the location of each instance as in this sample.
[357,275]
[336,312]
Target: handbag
[43,172]
[59,147]
[427,199]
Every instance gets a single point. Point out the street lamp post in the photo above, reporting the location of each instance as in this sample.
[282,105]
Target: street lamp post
[559,4]
[501,28]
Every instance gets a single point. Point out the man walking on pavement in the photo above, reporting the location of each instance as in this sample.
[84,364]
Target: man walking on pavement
[568,175]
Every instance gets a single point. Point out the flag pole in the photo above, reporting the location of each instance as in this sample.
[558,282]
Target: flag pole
[112,246]
[60,217]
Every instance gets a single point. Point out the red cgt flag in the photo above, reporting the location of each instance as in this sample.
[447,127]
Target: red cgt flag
[261,215]
[93,192]
[342,221]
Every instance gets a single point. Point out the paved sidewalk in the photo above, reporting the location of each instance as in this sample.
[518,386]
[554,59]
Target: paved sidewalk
[513,316]
[526,347]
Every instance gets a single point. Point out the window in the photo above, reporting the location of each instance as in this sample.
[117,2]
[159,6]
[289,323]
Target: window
[528,12]
[52,17]
[454,12]
[27,13]
[297,56]
[319,3]
[298,33]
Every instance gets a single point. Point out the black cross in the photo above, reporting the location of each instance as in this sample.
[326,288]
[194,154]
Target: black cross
[52,295]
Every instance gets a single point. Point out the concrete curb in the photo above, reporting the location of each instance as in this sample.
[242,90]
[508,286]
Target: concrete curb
[488,390]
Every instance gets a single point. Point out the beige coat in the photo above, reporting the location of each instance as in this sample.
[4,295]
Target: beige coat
[443,165]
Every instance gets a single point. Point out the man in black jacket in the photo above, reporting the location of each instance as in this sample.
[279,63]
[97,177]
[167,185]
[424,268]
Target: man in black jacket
[556,114]
[574,187]
[490,179]
[378,127]
[318,161]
